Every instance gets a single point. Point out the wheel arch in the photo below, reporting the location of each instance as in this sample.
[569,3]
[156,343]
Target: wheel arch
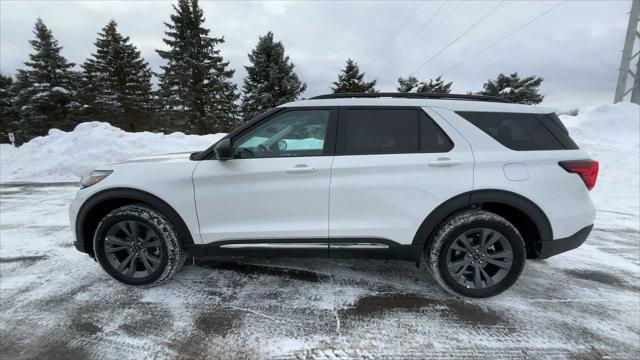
[523,213]
[102,202]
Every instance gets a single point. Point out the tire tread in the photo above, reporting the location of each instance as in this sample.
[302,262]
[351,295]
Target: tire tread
[451,224]
[176,256]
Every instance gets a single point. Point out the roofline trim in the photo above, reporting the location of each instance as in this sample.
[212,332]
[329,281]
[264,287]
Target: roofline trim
[412,96]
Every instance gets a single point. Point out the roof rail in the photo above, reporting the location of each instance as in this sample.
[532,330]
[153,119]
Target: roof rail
[412,96]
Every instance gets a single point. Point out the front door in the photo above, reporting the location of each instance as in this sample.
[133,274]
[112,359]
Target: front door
[276,188]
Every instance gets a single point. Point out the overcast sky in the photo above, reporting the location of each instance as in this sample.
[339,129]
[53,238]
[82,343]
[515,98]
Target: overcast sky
[576,47]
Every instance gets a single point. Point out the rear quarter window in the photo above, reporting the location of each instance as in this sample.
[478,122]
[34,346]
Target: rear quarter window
[521,131]
[432,138]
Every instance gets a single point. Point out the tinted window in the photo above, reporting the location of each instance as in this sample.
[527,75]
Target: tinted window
[380,131]
[517,131]
[553,119]
[293,133]
[557,128]
[433,139]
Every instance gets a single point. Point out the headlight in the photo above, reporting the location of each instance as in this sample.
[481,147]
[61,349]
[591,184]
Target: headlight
[93,177]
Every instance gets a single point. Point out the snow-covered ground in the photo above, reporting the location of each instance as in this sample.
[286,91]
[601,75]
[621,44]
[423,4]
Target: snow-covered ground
[57,303]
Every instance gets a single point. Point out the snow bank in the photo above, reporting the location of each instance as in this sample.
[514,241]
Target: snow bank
[618,123]
[611,135]
[65,156]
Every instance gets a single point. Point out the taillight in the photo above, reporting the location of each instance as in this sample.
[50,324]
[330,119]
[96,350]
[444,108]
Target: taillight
[587,169]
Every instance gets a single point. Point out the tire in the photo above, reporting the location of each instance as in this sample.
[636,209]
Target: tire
[151,260]
[458,255]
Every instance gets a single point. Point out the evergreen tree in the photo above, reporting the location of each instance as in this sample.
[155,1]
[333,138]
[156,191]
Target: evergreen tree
[437,86]
[407,85]
[196,80]
[514,89]
[350,80]
[270,79]
[117,81]
[8,115]
[45,91]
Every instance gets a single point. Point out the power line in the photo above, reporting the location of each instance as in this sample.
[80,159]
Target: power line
[412,14]
[438,25]
[413,38]
[473,26]
[505,37]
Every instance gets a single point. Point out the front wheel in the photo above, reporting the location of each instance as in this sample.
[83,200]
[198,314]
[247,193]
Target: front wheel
[137,245]
[476,254]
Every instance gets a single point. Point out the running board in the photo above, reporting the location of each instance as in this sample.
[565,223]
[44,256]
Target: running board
[333,245]
[332,248]
[274,246]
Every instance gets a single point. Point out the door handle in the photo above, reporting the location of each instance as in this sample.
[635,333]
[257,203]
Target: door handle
[444,162]
[302,169]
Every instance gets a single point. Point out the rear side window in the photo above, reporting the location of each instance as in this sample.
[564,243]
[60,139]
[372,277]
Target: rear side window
[379,131]
[519,131]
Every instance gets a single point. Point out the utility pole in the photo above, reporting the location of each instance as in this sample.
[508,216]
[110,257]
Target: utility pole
[627,56]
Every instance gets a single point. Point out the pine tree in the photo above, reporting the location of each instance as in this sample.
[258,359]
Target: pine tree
[270,79]
[45,91]
[350,80]
[514,89]
[8,115]
[117,81]
[196,80]
[437,86]
[407,85]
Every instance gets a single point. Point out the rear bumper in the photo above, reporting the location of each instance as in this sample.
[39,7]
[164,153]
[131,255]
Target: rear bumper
[554,247]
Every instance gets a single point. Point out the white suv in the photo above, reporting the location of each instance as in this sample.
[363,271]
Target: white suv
[474,184]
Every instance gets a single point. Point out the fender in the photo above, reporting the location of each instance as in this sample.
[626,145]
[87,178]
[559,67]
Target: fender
[465,200]
[129,196]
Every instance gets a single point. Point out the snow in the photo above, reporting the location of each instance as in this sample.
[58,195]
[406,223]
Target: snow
[58,303]
[507,90]
[611,135]
[61,90]
[65,156]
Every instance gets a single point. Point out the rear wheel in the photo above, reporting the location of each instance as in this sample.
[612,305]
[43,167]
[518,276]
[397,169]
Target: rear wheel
[137,245]
[477,254]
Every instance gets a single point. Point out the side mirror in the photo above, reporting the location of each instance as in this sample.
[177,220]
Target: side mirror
[223,150]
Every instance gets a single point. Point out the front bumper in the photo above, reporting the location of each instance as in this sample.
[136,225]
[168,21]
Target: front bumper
[554,247]
[74,208]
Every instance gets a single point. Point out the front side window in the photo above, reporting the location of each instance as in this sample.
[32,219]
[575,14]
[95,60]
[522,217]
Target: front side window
[293,133]
[380,131]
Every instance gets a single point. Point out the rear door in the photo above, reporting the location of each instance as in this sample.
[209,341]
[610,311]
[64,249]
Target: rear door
[393,166]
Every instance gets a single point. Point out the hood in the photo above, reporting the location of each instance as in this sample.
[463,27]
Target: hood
[182,156]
